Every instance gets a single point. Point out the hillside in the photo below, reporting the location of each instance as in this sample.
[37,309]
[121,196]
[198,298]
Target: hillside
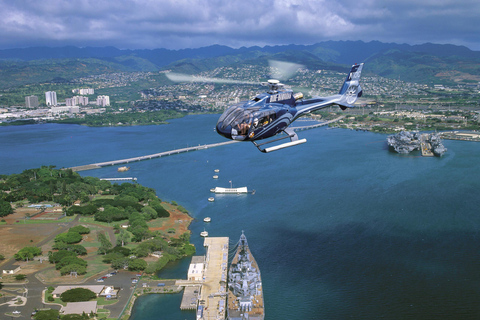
[426,63]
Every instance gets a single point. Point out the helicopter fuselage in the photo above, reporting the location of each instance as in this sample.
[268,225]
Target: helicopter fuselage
[260,118]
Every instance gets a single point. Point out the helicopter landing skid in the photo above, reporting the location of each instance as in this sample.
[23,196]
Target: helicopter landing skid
[290,134]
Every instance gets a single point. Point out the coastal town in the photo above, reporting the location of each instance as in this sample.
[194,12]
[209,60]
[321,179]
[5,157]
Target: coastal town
[388,104]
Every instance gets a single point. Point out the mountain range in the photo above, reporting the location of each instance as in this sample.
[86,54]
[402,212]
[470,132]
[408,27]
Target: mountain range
[425,63]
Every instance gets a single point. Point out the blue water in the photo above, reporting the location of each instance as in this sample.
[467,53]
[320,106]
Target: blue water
[340,227]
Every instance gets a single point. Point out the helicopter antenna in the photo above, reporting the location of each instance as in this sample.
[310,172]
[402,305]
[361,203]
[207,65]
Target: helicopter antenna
[273,85]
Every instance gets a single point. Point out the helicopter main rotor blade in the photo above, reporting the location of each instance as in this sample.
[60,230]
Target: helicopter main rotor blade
[180,77]
[283,70]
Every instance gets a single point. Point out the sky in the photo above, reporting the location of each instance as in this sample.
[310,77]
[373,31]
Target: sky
[179,24]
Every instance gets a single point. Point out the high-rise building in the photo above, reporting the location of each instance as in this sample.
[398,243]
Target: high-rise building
[31,102]
[51,98]
[77,101]
[103,101]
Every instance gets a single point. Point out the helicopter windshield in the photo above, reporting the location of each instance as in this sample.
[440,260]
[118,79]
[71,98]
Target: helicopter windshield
[239,122]
[242,123]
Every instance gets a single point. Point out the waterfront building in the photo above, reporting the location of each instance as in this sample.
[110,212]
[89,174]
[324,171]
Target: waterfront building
[31,102]
[195,270]
[76,101]
[51,98]
[103,101]
[66,109]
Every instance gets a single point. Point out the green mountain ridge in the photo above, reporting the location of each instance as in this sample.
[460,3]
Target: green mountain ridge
[427,63]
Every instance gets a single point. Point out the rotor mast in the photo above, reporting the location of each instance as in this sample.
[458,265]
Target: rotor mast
[273,85]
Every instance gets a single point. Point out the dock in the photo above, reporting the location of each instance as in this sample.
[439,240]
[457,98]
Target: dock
[214,289]
[206,287]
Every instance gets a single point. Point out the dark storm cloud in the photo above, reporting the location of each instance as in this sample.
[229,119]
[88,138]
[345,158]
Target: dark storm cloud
[194,23]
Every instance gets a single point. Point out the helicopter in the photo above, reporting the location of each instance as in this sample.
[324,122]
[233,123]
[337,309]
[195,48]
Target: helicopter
[271,113]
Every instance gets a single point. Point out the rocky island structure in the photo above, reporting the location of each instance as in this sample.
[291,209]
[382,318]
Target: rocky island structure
[428,143]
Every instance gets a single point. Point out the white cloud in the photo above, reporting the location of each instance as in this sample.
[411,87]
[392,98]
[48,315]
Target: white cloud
[195,23]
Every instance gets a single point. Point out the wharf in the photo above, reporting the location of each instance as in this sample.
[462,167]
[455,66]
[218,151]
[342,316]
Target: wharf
[213,295]
[461,135]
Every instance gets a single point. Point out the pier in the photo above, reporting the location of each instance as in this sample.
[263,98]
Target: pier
[119,179]
[214,288]
[206,287]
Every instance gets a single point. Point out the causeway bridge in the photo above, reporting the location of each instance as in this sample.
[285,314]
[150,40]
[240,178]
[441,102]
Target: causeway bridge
[148,157]
[99,165]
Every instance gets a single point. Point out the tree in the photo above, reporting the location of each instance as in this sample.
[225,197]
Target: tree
[27,253]
[78,295]
[5,208]
[70,260]
[69,237]
[79,269]
[20,277]
[105,244]
[123,237]
[137,265]
[55,257]
[47,315]
[80,229]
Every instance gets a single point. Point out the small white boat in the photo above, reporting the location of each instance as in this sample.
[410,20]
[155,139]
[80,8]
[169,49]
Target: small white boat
[207,219]
[211,199]
[215,177]
[204,233]
[217,170]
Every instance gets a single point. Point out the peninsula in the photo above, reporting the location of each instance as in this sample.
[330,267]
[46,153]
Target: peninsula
[61,229]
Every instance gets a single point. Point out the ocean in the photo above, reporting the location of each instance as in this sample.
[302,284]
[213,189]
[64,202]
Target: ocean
[341,227]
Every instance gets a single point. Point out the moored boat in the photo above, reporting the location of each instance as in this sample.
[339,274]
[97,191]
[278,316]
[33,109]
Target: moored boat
[245,291]
[204,233]
[229,190]
[207,219]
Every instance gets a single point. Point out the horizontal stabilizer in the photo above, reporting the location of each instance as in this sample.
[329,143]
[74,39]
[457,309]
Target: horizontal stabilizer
[284,145]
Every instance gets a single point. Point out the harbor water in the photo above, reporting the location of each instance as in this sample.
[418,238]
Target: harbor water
[341,227]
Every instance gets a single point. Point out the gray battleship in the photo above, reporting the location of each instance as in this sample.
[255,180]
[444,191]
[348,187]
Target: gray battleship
[245,294]
[406,142]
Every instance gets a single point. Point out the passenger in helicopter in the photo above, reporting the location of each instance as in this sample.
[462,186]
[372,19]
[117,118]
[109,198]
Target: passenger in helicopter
[243,128]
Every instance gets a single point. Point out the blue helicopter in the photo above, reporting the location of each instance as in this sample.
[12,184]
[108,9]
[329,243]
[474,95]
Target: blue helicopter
[272,112]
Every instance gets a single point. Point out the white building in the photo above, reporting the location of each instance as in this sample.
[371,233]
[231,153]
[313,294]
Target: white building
[103,101]
[51,98]
[195,270]
[84,91]
[77,101]
[67,109]
[31,102]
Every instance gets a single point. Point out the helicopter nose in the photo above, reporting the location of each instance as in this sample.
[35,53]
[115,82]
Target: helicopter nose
[224,131]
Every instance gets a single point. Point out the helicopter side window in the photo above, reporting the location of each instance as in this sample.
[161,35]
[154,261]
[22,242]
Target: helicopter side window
[264,120]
